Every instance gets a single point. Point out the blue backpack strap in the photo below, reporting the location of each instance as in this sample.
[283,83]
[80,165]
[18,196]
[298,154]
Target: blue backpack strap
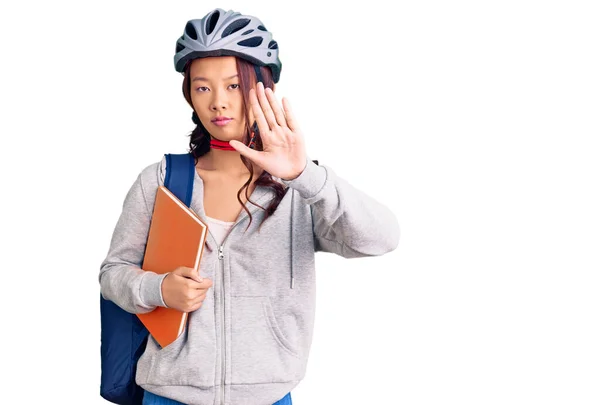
[179,178]
[123,335]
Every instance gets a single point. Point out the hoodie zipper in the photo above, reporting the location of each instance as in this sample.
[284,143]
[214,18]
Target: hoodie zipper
[222,302]
[222,267]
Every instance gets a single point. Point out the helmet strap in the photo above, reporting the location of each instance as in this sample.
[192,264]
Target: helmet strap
[258,74]
[224,145]
[220,145]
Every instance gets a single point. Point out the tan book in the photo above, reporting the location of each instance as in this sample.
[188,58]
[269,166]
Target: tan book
[176,238]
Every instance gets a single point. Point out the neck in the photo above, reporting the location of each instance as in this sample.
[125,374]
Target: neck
[228,163]
[225,161]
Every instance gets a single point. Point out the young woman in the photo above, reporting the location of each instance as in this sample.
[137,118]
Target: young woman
[269,209]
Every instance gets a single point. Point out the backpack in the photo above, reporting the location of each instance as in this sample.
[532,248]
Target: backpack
[123,336]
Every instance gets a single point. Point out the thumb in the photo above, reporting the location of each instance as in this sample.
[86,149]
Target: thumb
[246,151]
[188,272]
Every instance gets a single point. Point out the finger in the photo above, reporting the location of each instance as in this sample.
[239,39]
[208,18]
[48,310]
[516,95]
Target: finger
[196,304]
[245,151]
[192,297]
[194,307]
[289,115]
[188,272]
[203,288]
[266,106]
[199,298]
[193,279]
[193,284]
[263,126]
[279,116]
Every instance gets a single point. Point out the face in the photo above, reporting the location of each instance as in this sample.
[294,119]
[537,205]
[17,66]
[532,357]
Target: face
[217,97]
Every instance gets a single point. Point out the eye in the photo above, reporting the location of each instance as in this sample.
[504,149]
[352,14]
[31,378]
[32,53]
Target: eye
[237,86]
[202,89]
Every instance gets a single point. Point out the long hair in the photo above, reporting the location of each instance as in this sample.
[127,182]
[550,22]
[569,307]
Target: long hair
[200,138]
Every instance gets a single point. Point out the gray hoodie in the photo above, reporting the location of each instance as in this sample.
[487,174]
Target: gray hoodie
[249,342]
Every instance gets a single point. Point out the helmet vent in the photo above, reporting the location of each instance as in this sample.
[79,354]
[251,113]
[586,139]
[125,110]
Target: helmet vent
[190,30]
[235,26]
[251,42]
[222,32]
[212,22]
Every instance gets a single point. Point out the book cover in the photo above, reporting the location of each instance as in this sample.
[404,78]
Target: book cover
[176,238]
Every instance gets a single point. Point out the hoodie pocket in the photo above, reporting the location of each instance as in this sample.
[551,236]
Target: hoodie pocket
[260,353]
[191,358]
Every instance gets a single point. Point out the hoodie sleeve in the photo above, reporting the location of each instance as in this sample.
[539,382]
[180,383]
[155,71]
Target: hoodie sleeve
[121,278]
[346,221]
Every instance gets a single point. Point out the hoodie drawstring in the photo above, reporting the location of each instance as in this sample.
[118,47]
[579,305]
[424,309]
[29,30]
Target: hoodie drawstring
[292,243]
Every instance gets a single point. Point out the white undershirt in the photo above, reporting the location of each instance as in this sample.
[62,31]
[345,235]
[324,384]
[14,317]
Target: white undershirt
[219,229]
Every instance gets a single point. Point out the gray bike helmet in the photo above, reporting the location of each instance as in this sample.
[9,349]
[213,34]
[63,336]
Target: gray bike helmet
[230,33]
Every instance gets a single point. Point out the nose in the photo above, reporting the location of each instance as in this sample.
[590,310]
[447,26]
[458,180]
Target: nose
[219,101]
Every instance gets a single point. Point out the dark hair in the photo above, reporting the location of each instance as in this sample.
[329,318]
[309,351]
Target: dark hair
[200,139]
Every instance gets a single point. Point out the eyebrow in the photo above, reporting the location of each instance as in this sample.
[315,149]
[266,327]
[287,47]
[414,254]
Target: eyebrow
[205,79]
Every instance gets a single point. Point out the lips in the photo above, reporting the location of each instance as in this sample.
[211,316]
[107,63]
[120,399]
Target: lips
[221,118]
[221,121]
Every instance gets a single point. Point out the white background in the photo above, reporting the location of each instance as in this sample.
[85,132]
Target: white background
[475,122]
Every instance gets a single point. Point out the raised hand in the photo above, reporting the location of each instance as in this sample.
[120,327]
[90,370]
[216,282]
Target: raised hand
[283,153]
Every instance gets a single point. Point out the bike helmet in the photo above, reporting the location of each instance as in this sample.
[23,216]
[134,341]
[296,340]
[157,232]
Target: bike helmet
[230,33]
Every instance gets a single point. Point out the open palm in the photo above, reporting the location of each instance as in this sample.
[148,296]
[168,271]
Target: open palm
[283,153]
